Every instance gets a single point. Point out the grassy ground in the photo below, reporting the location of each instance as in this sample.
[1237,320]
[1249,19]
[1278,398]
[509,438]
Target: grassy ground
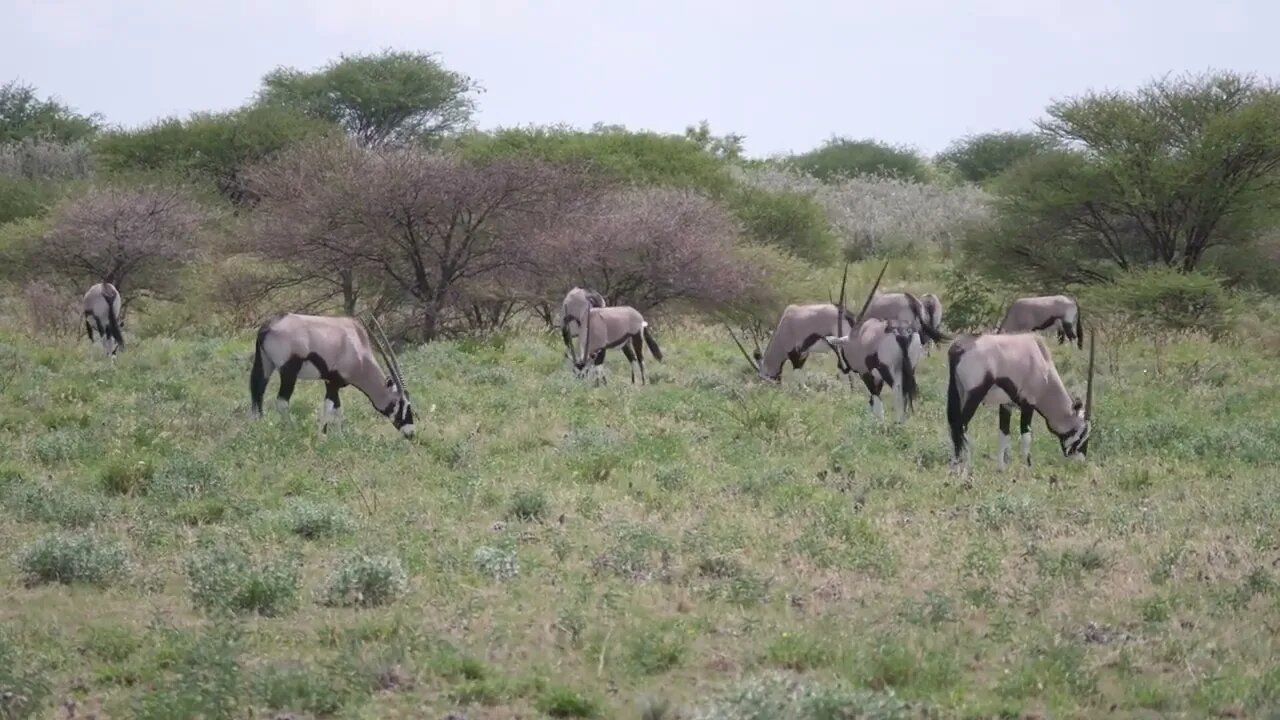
[706,546]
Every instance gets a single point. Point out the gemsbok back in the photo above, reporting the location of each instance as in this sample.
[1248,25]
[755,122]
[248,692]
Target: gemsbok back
[1014,371]
[102,313]
[337,350]
[1033,314]
[878,352]
[606,328]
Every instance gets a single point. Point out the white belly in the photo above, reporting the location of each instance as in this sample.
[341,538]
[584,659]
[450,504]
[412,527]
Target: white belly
[308,372]
[996,396]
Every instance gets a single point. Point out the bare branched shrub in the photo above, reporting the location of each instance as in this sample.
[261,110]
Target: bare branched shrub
[647,246]
[51,313]
[879,215]
[37,159]
[133,238]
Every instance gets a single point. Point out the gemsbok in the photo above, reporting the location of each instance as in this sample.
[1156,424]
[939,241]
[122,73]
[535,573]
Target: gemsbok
[102,313]
[606,328]
[1009,371]
[1033,314]
[337,350]
[575,306]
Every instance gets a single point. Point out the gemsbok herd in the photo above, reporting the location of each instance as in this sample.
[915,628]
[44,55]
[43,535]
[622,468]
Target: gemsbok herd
[882,344]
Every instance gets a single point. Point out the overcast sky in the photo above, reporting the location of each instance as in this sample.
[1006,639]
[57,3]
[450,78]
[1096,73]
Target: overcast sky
[787,74]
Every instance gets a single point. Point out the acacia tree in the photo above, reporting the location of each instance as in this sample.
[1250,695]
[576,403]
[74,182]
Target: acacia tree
[305,222]
[134,239]
[434,223]
[1153,177]
[386,98]
[24,115]
[978,158]
[648,246]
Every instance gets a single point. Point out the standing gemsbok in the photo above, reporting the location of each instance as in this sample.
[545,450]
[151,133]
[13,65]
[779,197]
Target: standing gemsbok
[102,313]
[878,352]
[906,310]
[1014,371]
[337,350]
[575,306]
[1033,314]
[606,328]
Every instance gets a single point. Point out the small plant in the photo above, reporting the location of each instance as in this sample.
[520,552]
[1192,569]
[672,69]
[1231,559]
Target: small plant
[225,579]
[79,558]
[562,702]
[363,580]
[25,690]
[293,686]
[656,650]
[497,563]
[527,504]
[205,678]
[67,507]
[126,476]
[313,520]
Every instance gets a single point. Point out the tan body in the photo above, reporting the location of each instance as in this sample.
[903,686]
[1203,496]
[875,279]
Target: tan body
[101,305]
[1008,371]
[622,327]
[1033,314]
[337,350]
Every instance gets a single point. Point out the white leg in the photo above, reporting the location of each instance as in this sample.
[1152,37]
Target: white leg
[1026,447]
[877,408]
[282,405]
[1002,458]
[899,403]
[633,371]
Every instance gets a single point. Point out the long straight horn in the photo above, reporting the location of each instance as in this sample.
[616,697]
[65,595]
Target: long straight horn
[389,356]
[872,294]
[840,308]
[742,349]
[1088,393]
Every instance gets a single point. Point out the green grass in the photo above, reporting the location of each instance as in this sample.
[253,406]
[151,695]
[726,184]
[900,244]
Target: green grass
[701,545]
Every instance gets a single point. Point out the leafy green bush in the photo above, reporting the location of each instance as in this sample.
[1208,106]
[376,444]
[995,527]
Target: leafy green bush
[224,578]
[785,696]
[364,580]
[527,504]
[74,558]
[786,219]
[1161,299]
[563,702]
[312,520]
[970,304]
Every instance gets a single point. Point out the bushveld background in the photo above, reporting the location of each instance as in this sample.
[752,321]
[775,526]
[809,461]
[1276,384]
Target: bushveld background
[706,546]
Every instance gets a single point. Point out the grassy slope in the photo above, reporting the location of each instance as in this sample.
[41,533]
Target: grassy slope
[689,533]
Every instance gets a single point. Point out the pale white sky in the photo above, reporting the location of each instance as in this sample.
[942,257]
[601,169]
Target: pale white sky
[787,74]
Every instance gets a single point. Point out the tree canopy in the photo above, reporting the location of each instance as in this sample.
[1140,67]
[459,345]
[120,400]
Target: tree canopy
[842,157]
[978,158]
[390,97]
[1157,176]
[24,115]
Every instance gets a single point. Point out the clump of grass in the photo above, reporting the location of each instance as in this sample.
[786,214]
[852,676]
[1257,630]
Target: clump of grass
[204,679]
[655,650]
[777,695]
[497,563]
[313,520]
[364,580]
[68,507]
[74,558]
[126,476]
[563,702]
[800,652]
[25,689]
[527,504]
[60,446]
[294,686]
[223,578]
[184,476]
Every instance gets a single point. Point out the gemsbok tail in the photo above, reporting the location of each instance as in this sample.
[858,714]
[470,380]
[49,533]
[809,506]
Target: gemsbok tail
[955,407]
[909,388]
[258,375]
[113,324]
[653,344]
[1079,328]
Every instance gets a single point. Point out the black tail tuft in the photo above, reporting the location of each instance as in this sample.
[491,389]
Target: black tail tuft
[955,407]
[113,327]
[258,375]
[909,388]
[1079,329]
[653,344]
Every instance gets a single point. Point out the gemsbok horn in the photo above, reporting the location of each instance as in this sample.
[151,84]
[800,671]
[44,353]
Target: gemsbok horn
[606,328]
[1033,314]
[337,350]
[1010,371]
[102,313]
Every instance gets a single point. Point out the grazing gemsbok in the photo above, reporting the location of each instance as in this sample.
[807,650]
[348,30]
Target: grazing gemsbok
[575,306]
[878,352]
[606,328]
[1033,314]
[102,313]
[337,350]
[1008,371]
[923,314]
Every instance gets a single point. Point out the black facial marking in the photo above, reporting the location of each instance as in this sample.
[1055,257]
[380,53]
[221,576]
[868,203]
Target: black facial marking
[797,358]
